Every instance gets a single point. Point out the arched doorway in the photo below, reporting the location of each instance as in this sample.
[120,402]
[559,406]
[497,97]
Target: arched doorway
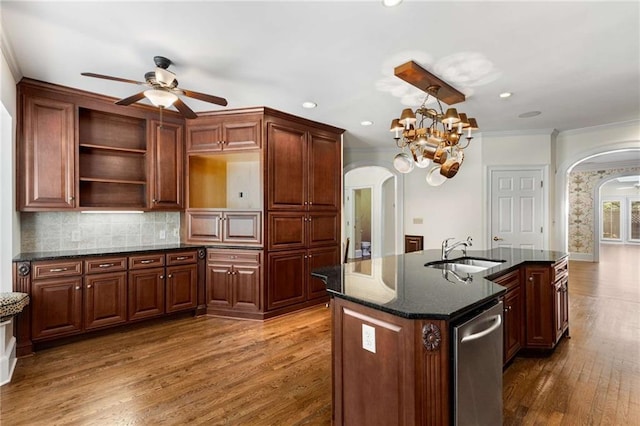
[580,204]
[372,218]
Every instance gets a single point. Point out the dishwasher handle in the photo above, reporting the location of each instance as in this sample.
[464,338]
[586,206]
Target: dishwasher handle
[497,321]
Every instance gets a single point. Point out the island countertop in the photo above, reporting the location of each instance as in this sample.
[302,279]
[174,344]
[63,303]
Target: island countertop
[403,286]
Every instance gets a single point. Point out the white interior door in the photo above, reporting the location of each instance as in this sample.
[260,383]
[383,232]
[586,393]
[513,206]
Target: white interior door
[517,208]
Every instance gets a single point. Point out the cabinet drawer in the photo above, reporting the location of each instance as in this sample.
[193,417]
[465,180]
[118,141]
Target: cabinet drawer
[56,269]
[509,280]
[182,257]
[105,264]
[146,261]
[233,256]
[561,268]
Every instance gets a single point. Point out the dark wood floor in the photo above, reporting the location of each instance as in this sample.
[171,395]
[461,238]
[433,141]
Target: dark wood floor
[215,371]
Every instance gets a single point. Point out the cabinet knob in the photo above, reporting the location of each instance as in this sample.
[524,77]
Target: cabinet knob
[88,285]
[77,287]
[306,202]
[228,272]
[170,276]
[162,277]
[530,278]
[72,198]
[154,201]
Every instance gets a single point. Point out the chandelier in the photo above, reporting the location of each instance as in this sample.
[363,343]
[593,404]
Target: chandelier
[430,137]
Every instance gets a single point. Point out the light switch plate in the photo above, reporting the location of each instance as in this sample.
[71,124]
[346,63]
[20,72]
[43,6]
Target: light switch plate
[369,338]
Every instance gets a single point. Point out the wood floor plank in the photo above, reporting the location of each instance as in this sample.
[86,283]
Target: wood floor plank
[216,371]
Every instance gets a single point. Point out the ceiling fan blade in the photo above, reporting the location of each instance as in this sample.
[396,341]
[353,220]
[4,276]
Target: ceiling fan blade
[131,99]
[108,77]
[184,109]
[207,98]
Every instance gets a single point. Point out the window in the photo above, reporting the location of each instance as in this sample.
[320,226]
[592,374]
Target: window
[611,229]
[634,219]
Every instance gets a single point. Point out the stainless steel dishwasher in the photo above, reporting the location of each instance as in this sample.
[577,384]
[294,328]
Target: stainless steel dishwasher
[477,369]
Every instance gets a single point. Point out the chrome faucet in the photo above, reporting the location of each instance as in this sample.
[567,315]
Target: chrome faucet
[446,248]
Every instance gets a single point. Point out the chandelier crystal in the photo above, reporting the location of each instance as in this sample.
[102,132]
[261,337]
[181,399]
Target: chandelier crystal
[431,137]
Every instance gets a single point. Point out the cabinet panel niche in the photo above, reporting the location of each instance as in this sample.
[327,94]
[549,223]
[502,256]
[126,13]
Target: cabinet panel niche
[227,181]
[111,130]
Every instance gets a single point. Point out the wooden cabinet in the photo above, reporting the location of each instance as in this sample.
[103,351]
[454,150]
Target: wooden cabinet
[227,227]
[302,169]
[289,230]
[513,316]
[232,132]
[56,299]
[413,243]
[46,154]
[547,304]
[77,150]
[289,275]
[105,299]
[181,287]
[234,282]
[167,165]
[146,293]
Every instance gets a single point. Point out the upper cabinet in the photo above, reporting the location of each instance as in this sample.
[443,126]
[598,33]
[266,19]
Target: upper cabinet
[227,132]
[77,150]
[167,165]
[46,154]
[303,166]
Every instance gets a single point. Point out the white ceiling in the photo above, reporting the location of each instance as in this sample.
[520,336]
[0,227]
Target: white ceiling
[576,62]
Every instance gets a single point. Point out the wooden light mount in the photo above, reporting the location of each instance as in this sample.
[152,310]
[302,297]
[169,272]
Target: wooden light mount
[417,76]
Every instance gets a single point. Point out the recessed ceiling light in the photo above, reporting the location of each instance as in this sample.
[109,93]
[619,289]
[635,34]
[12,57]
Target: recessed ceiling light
[529,114]
[366,123]
[309,105]
[391,3]
[505,94]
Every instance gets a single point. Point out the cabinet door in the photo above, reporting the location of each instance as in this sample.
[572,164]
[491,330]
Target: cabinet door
[219,292]
[205,135]
[242,227]
[204,225]
[561,309]
[287,230]
[47,155]
[325,172]
[181,288]
[105,300]
[166,181]
[287,168]
[539,308]
[318,258]
[146,293]
[513,324]
[246,287]
[323,229]
[241,133]
[56,305]
[286,279]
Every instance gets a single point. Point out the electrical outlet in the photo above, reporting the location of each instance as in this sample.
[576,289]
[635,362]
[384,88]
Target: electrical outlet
[369,338]
[75,235]
[417,221]
[176,232]
[162,234]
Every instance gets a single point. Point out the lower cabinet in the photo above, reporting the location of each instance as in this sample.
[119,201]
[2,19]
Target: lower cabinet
[74,296]
[539,307]
[290,281]
[234,282]
[513,317]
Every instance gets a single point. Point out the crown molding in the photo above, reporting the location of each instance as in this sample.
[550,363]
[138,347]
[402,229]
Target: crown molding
[628,123]
[9,56]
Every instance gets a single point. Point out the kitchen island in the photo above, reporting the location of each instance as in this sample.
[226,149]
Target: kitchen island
[393,319]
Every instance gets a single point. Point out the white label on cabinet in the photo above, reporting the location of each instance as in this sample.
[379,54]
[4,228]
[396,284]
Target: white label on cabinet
[369,338]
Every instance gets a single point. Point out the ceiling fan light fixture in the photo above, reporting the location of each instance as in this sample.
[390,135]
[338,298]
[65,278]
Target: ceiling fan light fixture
[165,77]
[160,98]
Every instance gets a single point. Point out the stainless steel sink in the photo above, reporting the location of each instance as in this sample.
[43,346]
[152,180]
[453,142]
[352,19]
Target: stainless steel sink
[464,264]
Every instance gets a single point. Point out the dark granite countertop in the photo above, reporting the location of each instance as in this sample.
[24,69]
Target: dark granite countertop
[66,254]
[403,286]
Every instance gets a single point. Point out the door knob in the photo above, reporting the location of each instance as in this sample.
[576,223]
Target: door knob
[498,239]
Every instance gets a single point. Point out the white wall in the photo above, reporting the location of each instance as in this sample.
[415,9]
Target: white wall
[9,218]
[450,210]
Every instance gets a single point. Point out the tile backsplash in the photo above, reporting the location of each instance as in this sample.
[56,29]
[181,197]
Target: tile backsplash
[55,231]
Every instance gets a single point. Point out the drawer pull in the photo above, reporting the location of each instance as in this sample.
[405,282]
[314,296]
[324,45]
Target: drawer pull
[182,257]
[146,262]
[106,265]
[58,269]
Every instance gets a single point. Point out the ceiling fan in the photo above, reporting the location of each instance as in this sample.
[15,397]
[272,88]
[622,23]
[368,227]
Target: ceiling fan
[163,90]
